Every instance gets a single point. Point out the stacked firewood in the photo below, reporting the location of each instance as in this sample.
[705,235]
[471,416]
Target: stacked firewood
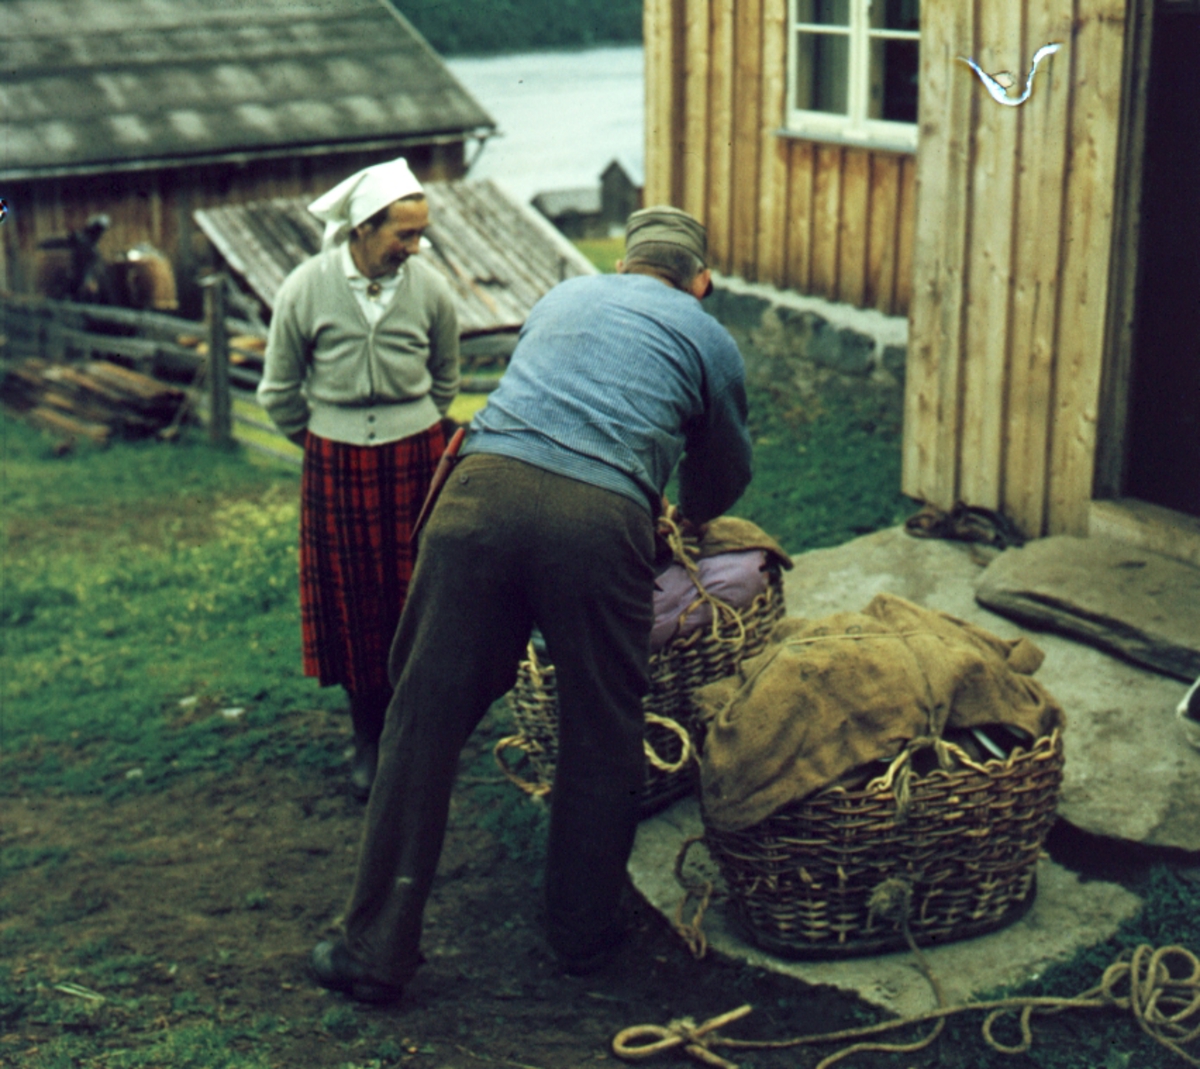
[97,399]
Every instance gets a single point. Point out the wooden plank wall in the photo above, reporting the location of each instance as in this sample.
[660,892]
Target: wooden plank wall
[156,206]
[1011,273]
[833,221]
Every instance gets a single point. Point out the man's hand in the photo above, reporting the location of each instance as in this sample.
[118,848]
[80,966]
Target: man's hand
[689,530]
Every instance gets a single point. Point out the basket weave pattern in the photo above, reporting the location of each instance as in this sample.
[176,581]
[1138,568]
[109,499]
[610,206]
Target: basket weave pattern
[965,847]
[700,657]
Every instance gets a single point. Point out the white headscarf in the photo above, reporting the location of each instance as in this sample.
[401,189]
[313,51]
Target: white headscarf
[357,198]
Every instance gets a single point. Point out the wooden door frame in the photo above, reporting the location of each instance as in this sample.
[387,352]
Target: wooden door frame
[1112,427]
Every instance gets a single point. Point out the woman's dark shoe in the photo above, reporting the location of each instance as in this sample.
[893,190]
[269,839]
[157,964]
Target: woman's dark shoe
[334,967]
[362,770]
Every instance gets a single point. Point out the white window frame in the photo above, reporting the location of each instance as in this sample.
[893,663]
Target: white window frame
[853,128]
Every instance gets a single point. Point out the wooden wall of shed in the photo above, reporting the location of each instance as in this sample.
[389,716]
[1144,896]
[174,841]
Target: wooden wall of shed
[156,206]
[1014,209]
[828,220]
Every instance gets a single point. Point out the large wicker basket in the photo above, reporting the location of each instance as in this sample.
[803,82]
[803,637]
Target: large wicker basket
[679,668]
[961,845]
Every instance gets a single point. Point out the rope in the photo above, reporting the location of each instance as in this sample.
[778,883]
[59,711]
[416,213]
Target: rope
[686,749]
[720,609]
[692,932]
[1164,1004]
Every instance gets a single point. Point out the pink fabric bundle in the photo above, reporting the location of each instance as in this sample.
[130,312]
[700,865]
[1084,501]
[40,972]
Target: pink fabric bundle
[735,578]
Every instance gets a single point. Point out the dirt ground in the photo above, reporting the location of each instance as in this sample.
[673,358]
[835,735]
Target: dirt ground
[200,903]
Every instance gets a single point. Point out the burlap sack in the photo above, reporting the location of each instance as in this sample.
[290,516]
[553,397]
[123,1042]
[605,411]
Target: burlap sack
[832,695]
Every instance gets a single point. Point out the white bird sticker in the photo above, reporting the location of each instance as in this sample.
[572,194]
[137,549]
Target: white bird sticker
[998,84]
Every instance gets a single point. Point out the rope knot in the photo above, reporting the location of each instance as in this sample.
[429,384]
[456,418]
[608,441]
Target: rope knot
[891,900]
[685,1029]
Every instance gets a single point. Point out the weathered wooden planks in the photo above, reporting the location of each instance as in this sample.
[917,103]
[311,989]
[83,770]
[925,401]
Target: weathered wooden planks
[883,231]
[1036,262]
[696,74]
[656,30]
[798,261]
[1087,234]
[773,163]
[747,136]
[1015,205]
[720,137]
[853,227]
[992,208]
[820,218]
[932,412]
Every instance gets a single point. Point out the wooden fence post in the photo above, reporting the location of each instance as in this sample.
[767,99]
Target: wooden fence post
[220,404]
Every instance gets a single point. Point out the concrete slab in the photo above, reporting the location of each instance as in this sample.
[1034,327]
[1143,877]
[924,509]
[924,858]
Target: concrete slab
[1129,771]
[1129,775]
[1066,916]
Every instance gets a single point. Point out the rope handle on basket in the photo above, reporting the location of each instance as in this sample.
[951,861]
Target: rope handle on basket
[692,932]
[688,752]
[899,775]
[720,608]
[518,742]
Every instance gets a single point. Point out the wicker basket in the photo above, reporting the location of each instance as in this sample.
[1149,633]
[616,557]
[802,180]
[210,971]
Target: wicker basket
[703,656]
[961,845]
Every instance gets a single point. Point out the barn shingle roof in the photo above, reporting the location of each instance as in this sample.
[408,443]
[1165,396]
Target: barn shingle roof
[499,256]
[101,85]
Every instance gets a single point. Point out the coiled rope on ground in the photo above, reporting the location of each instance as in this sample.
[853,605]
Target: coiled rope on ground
[1160,987]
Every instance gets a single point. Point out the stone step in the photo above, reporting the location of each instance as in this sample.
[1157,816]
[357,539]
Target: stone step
[1133,602]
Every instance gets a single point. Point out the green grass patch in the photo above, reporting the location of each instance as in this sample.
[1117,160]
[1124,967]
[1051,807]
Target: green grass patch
[147,590]
[603,252]
[824,478]
[149,608]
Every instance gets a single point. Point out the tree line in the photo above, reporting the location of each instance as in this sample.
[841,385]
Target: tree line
[475,27]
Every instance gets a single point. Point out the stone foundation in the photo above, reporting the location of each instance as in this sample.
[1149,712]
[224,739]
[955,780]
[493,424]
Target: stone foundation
[810,352]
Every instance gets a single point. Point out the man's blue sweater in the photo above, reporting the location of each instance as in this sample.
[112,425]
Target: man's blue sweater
[613,378]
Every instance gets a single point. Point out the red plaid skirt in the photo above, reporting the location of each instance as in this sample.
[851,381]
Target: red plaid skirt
[358,505]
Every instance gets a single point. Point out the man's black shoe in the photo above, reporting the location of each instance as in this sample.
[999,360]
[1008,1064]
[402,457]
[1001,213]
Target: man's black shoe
[336,968]
[587,964]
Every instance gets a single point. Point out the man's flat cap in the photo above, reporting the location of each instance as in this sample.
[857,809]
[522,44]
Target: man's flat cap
[666,225]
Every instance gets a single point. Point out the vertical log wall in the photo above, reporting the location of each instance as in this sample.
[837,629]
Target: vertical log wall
[828,220]
[1011,271]
[156,205]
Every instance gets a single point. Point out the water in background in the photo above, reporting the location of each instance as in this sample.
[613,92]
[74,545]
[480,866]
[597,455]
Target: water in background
[562,116]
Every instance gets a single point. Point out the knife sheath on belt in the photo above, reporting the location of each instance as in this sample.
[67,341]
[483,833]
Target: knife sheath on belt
[444,467]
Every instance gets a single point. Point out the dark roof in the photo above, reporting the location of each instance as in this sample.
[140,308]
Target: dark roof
[555,203]
[498,256]
[100,85]
[630,171]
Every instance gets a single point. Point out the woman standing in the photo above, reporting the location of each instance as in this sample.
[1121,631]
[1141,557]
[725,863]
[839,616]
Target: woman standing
[361,368]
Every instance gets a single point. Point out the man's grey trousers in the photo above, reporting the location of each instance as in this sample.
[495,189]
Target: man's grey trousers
[508,546]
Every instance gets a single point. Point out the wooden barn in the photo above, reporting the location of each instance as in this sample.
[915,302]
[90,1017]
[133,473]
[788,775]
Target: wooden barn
[146,110]
[1045,252]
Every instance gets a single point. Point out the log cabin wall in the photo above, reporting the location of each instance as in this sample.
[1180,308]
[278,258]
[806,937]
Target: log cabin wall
[1011,296]
[156,205]
[829,220]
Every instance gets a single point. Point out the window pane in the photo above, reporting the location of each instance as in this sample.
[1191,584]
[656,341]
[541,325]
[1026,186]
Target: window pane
[824,12]
[822,72]
[894,68]
[896,14]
